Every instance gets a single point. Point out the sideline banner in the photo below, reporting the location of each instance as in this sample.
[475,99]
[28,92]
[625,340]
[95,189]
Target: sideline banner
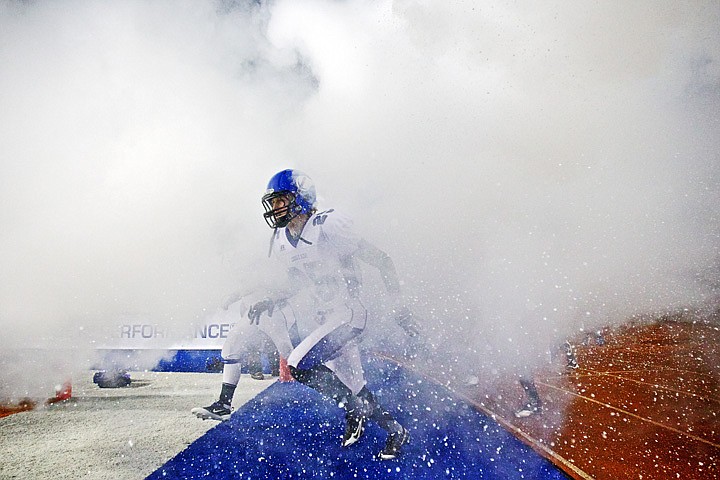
[138,332]
[136,342]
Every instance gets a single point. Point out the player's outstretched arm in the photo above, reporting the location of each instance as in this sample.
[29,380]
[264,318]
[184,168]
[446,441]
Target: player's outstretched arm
[370,254]
[402,315]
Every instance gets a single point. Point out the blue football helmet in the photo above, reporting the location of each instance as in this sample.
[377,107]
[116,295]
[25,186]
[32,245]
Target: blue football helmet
[299,191]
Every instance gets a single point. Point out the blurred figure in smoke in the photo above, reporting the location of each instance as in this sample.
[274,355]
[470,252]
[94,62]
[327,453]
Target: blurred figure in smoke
[533,406]
[263,348]
[597,336]
[570,357]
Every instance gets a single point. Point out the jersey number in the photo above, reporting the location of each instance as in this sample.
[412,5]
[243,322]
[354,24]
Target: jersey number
[321,217]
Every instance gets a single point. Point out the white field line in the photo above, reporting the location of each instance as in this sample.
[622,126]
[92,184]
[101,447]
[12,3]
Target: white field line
[647,420]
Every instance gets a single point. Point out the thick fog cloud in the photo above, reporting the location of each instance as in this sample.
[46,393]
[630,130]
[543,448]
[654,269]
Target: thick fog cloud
[531,169]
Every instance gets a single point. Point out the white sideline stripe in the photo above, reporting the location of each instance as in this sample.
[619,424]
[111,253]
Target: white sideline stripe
[659,367]
[680,432]
[688,371]
[618,374]
[659,387]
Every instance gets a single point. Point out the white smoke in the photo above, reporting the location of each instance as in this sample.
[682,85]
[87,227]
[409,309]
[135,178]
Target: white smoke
[531,169]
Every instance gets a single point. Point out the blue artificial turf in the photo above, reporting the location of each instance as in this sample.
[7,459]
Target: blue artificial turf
[290,432]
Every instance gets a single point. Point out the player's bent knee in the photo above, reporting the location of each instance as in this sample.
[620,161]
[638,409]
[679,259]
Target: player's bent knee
[298,374]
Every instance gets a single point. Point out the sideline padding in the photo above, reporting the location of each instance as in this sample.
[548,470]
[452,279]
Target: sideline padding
[169,360]
[289,432]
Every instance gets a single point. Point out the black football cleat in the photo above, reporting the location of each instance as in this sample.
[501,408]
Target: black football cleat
[395,441]
[353,430]
[216,411]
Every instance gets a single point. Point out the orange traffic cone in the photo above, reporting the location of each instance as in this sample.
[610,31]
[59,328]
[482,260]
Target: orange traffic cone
[62,392]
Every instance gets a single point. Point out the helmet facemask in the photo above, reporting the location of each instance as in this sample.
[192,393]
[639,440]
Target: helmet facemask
[280,216]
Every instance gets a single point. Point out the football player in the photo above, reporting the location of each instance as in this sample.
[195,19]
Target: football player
[242,341]
[319,250]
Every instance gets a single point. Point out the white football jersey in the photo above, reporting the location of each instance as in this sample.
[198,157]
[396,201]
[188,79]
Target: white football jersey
[321,258]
